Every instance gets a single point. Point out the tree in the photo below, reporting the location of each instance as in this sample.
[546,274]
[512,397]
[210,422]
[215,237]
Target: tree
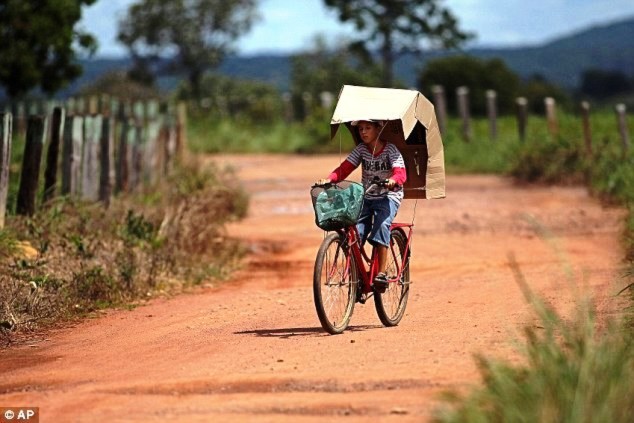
[601,84]
[479,75]
[536,88]
[325,68]
[199,33]
[118,84]
[38,41]
[243,100]
[399,26]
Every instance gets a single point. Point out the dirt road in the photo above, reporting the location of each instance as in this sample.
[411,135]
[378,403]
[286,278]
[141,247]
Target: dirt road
[253,350]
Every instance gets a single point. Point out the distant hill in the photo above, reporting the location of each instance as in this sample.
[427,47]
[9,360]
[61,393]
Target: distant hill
[561,61]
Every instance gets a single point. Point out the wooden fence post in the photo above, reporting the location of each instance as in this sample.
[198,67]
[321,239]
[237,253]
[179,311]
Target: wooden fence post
[152,142]
[30,175]
[70,106]
[462,94]
[20,118]
[93,105]
[136,163]
[107,175]
[170,138]
[288,107]
[80,105]
[122,173]
[307,101]
[551,116]
[71,154]
[522,116]
[181,131]
[587,133]
[105,104]
[621,116]
[52,155]
[90,162]
[326,99]
[6,129]
[440,105]
[492,113]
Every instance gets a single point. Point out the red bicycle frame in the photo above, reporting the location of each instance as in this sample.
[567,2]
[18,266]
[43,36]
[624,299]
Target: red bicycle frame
[369,266]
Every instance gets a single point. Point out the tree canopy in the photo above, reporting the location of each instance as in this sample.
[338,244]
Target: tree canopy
[394,27]
[198,33]
[326,68]
[39,38]
[479,75]
[601,84]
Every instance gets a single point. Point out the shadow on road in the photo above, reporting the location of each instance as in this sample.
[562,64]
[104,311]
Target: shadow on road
[284,333]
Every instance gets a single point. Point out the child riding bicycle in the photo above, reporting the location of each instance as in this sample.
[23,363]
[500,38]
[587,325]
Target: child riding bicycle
[380,160]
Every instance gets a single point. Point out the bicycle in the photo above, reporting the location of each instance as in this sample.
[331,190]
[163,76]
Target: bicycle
[344,275]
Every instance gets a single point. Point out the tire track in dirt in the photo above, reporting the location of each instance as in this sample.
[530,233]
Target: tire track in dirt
[252,349]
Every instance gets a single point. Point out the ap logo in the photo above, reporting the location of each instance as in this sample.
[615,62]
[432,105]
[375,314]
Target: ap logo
[15,414]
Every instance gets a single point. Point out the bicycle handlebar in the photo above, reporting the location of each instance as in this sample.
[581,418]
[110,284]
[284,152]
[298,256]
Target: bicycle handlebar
[375,183]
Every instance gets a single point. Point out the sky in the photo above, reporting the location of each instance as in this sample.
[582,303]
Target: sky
[288,26]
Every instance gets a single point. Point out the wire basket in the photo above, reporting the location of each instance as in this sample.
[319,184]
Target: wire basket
[338,205]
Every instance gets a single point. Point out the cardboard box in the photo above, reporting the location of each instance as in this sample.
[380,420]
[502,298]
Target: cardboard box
[411,126]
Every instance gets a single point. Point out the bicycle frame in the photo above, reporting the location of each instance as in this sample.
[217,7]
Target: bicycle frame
[368,267]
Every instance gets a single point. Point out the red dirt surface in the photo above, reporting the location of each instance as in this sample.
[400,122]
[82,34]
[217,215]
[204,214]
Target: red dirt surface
[252,349]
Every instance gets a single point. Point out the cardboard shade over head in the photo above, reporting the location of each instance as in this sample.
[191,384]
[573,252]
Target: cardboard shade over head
[410,124]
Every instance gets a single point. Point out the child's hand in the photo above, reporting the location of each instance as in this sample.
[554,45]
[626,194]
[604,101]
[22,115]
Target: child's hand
[391,183]
[323,181]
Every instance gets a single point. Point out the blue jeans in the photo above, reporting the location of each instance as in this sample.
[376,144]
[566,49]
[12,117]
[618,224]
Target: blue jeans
[378,215]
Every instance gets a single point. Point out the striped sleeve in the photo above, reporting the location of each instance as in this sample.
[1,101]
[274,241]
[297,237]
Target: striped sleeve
[395,157]
[355,156]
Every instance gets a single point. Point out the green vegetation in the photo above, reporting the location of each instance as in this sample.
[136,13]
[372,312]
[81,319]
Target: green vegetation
[72,258]
[42,53]
[209,134]
[572,372]
[200,34]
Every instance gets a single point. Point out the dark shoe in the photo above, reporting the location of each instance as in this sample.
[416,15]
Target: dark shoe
[380,282]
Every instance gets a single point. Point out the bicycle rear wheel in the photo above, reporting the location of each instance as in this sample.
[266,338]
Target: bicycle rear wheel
[390,305]
[334,284]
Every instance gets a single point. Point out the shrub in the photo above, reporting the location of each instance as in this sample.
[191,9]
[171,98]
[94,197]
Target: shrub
[89,258]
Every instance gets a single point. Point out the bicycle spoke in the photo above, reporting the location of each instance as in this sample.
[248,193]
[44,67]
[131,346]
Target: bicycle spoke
[336,285]
[391,304]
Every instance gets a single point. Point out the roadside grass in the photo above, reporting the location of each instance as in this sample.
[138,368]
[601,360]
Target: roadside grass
[72,258]
[572,372]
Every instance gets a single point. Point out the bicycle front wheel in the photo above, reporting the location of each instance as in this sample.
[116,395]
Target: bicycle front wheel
[390,305]
[334,284]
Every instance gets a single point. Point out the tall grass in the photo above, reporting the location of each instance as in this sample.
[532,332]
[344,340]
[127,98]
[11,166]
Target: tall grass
[571,372]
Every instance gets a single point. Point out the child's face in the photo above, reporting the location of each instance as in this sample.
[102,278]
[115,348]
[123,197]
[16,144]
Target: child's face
[368,131]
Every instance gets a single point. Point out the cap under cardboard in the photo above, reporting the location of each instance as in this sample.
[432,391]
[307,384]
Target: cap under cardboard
[356,122]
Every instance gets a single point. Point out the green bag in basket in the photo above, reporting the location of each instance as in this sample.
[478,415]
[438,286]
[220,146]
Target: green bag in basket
[338,206]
